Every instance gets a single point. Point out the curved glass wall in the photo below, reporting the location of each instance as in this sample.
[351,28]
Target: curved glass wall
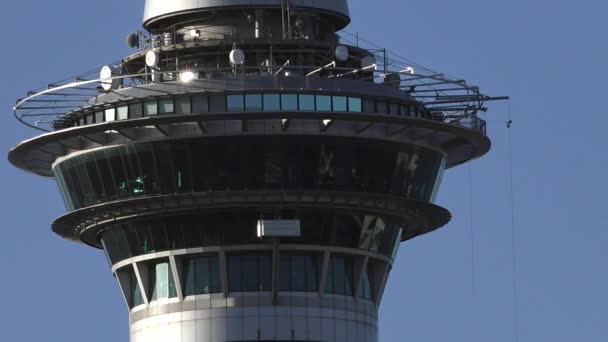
[252,163]
[324,228]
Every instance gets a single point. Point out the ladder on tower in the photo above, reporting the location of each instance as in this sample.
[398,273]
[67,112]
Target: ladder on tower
[286,7]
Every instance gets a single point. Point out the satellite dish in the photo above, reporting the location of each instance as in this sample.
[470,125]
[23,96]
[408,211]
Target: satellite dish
[393,80]
[368,62]
[237,57]
[152,59]
[133,40]
[341,53]
[106,78]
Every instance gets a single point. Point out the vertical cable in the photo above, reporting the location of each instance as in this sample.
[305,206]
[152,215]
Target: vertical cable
[472,232]
[513,227]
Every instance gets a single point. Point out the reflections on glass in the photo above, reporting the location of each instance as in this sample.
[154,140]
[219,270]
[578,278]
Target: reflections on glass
[201,275]
[334,164]
[365,232]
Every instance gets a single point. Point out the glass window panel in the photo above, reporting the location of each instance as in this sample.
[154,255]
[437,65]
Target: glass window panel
[323,103]
[381,107]
[217,103]
[339,275]
[161,281]
[272,102]
[250,273]
[189,277]
[340,104]
[265,273]
[182,105]
[298,273]
[110,114]
[137,297]
[312,282]
[329,279]
[122,113]
[151,108]
[166,106]
[236,103]
[354,104]
[289,102]
[214,274]
[202,276]
[235,280]
[136,110]
[200,104]
[284,273]
[307,102]
[369,106]
[81,121]
[348,276]
[253,102]
[90,119]
[405,111]
[99,117]
[393,108]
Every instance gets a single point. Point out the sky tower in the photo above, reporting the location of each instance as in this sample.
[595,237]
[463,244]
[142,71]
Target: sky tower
[249,172]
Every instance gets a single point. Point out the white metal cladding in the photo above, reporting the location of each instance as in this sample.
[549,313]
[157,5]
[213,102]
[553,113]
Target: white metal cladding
[157,8]
[301,317]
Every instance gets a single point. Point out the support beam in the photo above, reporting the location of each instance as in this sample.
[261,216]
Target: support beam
[381,277]
[126,133]
[360,269]
[365,127]
[224,272]
[141,274]
[324,269]
[399,131]
[276,269]
[176,271]
[202,126]
[163,129]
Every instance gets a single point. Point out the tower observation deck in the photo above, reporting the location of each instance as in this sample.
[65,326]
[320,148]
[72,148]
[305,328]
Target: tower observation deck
[250,170]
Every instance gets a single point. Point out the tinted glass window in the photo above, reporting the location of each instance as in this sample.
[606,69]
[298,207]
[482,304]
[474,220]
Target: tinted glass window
[354,104]
[136,110]
[200,275]
[122,113]
[272,102]
[151,108]
[289,102]
[166,106]
[307,102]
[90,119]
[99,118]
[217,103]
[200,104]
[182,105]
[340,104]
[369,106]
[250,272]
[381,107]
[253,102]
[323,103]
[236,103]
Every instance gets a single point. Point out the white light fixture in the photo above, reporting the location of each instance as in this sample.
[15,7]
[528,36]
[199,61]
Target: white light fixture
[186,76]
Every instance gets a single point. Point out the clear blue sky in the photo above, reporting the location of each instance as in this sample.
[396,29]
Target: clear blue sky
[550,56]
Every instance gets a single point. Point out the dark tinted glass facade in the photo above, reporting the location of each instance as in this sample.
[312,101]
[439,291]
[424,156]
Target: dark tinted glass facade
[323,228]
[252,163]
[201,275]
